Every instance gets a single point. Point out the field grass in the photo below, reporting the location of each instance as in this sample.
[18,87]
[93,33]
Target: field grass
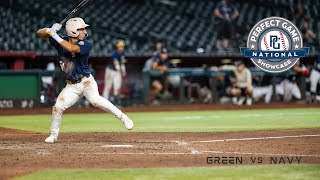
[191,121]
[226,172]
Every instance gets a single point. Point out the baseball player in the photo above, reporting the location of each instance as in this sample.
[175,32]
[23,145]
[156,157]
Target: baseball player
[262,89]
[315,78]
[160,63]
[115,70]
[242,87]
[73,51]
[288,87]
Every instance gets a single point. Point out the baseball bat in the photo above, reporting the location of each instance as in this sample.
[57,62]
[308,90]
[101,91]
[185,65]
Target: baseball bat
[75,10]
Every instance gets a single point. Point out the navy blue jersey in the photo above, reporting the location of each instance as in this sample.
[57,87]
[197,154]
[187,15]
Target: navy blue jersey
[226,11]
[161,62]
[116,57]
[74,65]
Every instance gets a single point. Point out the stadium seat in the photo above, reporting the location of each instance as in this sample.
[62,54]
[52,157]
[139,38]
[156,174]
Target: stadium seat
[189,24]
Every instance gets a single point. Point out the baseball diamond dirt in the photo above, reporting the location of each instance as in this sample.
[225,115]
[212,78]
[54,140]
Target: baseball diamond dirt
[24,152]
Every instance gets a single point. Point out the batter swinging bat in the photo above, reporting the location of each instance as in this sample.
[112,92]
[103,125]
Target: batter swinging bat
[75,10]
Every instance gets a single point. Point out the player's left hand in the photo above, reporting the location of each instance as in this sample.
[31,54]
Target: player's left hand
[56,26]
[51,32]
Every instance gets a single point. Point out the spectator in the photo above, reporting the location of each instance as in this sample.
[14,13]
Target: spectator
[115,70]
[242,83]
[308,35]
[298,14]
[226,13]
[161,64]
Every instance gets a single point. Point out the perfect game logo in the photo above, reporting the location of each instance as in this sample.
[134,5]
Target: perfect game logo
[274,45]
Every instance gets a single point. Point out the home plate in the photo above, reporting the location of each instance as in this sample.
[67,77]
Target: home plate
[118,145]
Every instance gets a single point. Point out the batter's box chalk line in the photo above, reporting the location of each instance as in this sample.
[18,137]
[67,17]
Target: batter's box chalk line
[117,146]
[192,152]
[261,154]
[43,152]
[181,143]
[196,152]
[256,138]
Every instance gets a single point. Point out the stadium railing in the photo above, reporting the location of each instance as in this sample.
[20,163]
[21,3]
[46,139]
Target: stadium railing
[202,72]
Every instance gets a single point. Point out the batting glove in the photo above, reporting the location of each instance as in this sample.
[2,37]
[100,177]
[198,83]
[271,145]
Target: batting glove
[56,26]
[53,33]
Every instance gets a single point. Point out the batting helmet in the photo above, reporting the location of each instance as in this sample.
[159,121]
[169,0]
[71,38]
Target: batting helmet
[120,43]
[72,26]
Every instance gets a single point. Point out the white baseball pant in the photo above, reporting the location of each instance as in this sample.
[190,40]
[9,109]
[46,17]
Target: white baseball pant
[112,78]
[263,91]
[72,93]
[288,89]
[314,79]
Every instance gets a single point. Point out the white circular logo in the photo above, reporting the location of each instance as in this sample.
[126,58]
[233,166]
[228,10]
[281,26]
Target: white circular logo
[274,45]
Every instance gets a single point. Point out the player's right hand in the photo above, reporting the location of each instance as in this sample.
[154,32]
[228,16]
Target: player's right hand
[56,27]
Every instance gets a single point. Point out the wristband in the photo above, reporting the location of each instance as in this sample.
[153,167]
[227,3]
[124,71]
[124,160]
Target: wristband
[56,37]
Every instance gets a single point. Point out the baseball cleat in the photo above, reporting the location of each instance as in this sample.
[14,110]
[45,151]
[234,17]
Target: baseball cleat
[51,139]
[126,121]
[53,136]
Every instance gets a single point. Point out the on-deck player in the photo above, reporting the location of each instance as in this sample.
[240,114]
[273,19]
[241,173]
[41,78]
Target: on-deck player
[73,51]
[115,70]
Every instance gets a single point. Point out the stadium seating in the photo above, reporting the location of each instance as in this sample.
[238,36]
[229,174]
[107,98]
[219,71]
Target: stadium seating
[184,25]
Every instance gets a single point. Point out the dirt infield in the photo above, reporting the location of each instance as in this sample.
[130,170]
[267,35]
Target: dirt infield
[25,152]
